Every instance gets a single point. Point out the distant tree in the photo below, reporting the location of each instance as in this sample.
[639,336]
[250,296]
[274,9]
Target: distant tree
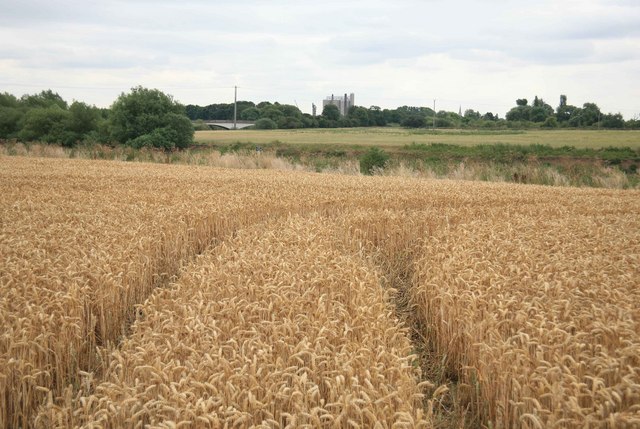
[414,121]
[575,119]
[346,122]
[446,119]
[359,116]
[564,112]
[394,116]
[250,114]
[590,114]
[220,111]
[471,114]
[150,113]
[540,110]
[10,118]
[290,111]
[327,123]
[290,122]
[550,122]
[266,124]
[241,107]
[331,112]
[522,112]
[8,100]
[613,121]
[632,124]
[376,116]
[46,98]
[47,124]
[522,102]
[272,112]
[83,119]
[490,117]
[445,122]
[195,112]
[309,121]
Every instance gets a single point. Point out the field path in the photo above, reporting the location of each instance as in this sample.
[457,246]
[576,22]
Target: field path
[284,325]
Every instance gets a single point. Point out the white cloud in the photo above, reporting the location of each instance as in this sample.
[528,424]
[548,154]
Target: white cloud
[478,54]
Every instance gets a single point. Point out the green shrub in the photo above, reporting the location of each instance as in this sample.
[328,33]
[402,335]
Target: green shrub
[162,138]
[148,117]
[414,121]
[550,122]
[265,124]
[373,159]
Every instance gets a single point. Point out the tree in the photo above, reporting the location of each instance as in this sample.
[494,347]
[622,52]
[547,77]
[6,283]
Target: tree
[241,106]
[46,124]
[565,111]
[522,102]
[590,114]
[575,118]
[613,121]
[414,121]
[183,128]
[359,116]
[290,111]
[46,98]
[250,114]
[309,121]
[471,114]
[540,110]
[331,112]
[150,113]
[290,122]
[490,117]
[265,124]
[272,112]
[376,116]
[10,118]
[195,112]
[83,118]
[550,122]
[521,112]
[8,100]
[163,138]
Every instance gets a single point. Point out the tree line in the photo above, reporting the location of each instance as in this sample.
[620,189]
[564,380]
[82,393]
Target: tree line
[275,115]
[524,115]
[566,115]
[148,117]
[142,117]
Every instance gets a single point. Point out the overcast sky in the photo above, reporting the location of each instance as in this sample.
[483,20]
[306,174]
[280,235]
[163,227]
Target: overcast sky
[470,54]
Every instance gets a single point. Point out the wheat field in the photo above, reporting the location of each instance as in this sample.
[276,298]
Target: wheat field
[148,295]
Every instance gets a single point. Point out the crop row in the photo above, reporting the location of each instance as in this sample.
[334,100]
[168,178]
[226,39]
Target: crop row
[281,326]
[526,296]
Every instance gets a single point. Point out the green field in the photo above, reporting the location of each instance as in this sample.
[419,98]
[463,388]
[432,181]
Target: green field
[399,137]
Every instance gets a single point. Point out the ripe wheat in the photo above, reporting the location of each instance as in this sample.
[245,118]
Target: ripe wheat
[528,295]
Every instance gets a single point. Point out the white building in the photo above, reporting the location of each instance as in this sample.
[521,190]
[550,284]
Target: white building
[343,103]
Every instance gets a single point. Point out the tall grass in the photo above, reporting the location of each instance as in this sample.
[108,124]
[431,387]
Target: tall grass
[518,172]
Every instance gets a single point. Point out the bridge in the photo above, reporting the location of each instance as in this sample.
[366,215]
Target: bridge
[229,125]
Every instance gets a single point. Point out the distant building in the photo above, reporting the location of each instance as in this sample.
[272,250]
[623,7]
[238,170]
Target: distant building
[343,103]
